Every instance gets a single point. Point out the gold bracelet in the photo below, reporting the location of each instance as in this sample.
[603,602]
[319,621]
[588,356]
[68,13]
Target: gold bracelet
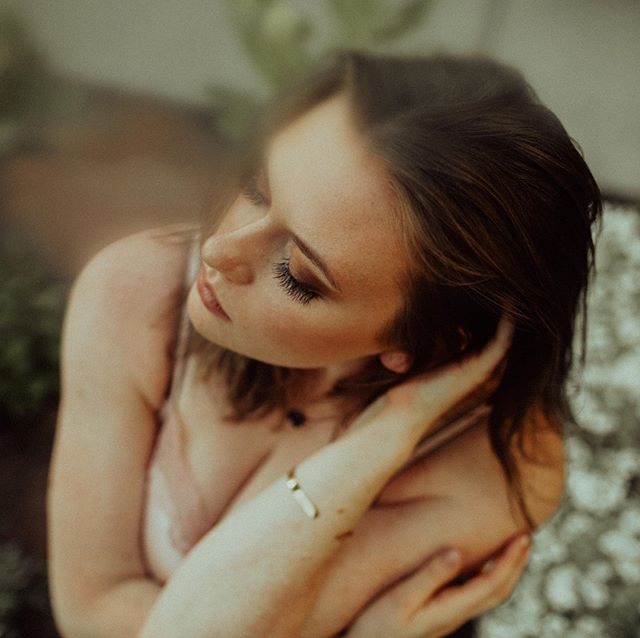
[299,494]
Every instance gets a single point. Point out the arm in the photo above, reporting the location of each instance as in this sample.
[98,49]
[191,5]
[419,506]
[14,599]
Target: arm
[114,371]
[258,571]
[114,376]
[455,496]
[419,606]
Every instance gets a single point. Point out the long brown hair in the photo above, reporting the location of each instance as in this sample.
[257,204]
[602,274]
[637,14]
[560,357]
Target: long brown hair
[497,206]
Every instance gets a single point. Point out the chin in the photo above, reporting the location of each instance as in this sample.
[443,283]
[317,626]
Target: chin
[206,327]
[203,328]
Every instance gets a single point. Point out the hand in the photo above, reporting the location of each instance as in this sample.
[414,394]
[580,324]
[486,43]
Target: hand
[416,406]
[417,607]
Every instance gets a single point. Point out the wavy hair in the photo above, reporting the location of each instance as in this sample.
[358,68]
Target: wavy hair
[496,204]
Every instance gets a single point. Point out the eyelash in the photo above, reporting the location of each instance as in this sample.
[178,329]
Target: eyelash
[252,193]
[294,288]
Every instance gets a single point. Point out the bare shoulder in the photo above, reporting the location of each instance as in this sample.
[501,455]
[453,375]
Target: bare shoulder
[541,463]
[126,303]
[457,496]
[467,469]
[114,369]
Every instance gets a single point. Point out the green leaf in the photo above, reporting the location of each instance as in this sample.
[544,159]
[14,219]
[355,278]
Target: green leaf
[31,313]
[406,18]
[366,23]
[235,110]
[356,19]
[277,43]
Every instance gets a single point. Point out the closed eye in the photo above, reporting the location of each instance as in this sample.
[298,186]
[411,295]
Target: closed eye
[299,291]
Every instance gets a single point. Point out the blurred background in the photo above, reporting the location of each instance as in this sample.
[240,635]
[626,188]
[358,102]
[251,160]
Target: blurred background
[115,115]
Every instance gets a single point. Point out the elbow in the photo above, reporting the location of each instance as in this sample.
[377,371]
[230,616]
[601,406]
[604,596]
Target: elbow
[70,607]
[112,613]
[73,619]
[72,626]
[70,622]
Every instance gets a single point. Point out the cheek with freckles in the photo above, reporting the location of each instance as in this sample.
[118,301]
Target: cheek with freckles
[308,341]
[296,341]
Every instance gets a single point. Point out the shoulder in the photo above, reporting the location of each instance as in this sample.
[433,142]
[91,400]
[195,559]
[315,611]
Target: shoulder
[540,458]
[455,496]
[143,263]
[125,302]
[468,475]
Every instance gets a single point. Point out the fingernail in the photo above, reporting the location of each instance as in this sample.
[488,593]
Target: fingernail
[451,558]
[524,541]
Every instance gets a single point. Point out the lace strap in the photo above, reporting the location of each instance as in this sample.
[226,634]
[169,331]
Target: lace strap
[450,431]
[193,263]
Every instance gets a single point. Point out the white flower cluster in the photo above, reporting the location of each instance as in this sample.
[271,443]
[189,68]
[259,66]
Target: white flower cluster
[583,577]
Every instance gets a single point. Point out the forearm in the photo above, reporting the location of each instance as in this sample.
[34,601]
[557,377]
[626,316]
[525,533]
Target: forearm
[256,573]
[120,611]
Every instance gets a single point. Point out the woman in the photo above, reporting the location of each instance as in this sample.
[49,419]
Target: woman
[348,401]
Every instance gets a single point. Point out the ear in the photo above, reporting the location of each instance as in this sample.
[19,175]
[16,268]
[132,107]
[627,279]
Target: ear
[396,360]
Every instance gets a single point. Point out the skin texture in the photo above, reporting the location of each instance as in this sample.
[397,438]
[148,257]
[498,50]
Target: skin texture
[268,531]
[116,370]
[418,607]
[326,188]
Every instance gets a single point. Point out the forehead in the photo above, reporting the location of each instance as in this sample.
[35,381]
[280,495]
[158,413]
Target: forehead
[336,195]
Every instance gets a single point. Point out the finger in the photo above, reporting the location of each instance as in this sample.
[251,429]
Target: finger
[495,349]
[491,587]
[505,589]
[504,585]
[431,395]
[458,378]
[482,592]
[447,428]
[489,363]
[439,569]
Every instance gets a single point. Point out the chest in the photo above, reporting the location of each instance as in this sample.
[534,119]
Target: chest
[230,463]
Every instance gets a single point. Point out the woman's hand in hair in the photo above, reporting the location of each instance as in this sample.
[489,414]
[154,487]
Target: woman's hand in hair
[417,606]
[418,405]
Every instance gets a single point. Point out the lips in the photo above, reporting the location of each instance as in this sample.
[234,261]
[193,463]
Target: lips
[208,296]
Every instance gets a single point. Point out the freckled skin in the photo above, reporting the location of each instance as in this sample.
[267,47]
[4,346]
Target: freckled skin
[325,186]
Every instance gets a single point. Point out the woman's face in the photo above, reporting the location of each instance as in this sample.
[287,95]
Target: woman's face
[308,264]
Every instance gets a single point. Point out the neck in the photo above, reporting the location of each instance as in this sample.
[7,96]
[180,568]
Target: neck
[316,384]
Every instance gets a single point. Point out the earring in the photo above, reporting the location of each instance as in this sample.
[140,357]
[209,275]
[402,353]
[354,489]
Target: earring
[396,361]
[465,339]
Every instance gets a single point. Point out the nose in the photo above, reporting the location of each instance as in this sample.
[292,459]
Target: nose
[226,254]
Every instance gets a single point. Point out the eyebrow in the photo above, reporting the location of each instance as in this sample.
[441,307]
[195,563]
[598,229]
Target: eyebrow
[311,254]
[304,248]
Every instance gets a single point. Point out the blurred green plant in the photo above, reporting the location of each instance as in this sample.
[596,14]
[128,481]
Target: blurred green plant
[276,38]
[31,311]
[23,85]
